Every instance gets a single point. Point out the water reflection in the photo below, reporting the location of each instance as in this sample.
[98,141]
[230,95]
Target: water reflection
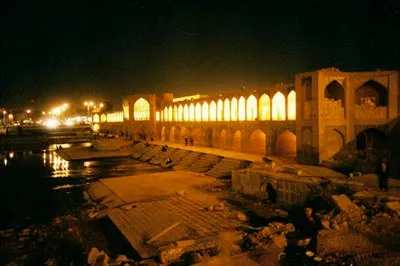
[59,165]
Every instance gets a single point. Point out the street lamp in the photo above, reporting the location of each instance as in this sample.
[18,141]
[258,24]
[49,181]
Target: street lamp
[4,117]
[88,104]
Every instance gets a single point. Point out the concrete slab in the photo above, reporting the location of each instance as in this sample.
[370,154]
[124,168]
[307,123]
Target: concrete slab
[148,186]
[171,226]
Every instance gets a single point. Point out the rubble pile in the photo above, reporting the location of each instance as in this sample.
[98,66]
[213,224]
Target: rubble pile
[358,227]
[272,236]
[62,242]
[100,258]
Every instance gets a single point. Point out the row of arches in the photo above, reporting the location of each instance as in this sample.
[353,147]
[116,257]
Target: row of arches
[250,109]
[257,141]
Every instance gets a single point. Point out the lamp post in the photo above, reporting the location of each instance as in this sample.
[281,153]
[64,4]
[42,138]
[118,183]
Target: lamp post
[4,117]
[89,104]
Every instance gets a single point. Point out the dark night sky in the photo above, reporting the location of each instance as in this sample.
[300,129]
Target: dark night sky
[74,50]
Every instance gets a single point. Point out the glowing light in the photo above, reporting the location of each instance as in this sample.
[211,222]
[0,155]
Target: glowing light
[251,108]
[170,114]
[191,112]
[69,123]
[96,127]
[292,105]
[157,116]
[227,109]
[11,155]
[165,113]
[10,117]
[234,109]
[213,111]
[198,112]
[28,111]
[96,118]
[264,106]
[101,105]
[186,112]
[87,163]
[176,113]
[141,110]
[278,107]
[242,109]
[180,112]
[52,123]
[113,117]
[5,161]
[43,113]
[220,109]
[205,111]
[103,118]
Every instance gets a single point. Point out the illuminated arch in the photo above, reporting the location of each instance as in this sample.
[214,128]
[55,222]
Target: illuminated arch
[227,110]
[258,142]
[205,111]
[170,115]
[291,104]
[198,112]
[96,118]
[141,110]
[213,111]
[166,113]
[251,108]
[234,109]
[264,107]
[242,109]
[180,112]
[191,112]
[186,112]
[286,144]
[237,141]
[220,110]
[103,118]
[175,113]
[278,107]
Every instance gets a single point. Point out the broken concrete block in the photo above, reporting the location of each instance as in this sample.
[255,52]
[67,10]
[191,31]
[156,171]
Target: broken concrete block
[279,240]
[394,206]
[325,224]
[219,207]
[93,254]
[241,216]
[344,203]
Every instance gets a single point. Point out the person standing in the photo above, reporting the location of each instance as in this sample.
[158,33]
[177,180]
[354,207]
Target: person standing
[383,172]
[186,140]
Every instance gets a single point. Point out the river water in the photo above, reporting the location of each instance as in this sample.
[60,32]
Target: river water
[36,184]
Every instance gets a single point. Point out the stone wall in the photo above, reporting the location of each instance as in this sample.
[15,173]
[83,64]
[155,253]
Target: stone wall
[291,189]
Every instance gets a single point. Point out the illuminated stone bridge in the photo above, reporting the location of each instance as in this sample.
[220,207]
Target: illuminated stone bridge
[324,112]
